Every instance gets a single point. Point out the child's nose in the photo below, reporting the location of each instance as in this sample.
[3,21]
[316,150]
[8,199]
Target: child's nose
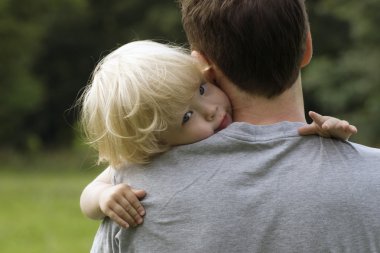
[210,112]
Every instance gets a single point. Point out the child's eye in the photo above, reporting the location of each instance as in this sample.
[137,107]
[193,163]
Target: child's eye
[202,89]
[187,117]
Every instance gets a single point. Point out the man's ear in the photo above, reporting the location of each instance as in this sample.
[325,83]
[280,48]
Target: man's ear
[206,67]
[308,54]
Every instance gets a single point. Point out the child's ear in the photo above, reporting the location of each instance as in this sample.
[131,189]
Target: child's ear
[308,54]
[206,67]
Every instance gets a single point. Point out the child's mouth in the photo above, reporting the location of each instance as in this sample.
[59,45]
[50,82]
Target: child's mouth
[226,121]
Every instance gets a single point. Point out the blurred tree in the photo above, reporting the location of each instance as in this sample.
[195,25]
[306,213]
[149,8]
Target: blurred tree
[21,92]
[343,78]
[76,40]
[50,47]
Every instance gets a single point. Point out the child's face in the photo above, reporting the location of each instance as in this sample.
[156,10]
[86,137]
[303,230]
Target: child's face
[209,111]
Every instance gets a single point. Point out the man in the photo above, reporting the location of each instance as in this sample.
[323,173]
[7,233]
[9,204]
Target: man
[256,186]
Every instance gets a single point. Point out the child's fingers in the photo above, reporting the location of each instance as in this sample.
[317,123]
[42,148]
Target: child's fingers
[120,201]
[140,194]
[132,204]
[127,212]
[317,118]
[122,217]
[352,129]
[348,131]
[349,128]
[340,126]
[327,126]
[334,124]
[307,129]
[121,221]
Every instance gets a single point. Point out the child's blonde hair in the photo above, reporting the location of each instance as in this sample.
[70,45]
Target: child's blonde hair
[135,93]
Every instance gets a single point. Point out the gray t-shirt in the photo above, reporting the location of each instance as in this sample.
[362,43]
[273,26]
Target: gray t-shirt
[254,189]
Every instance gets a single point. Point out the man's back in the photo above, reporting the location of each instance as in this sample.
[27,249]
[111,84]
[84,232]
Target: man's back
[255,189]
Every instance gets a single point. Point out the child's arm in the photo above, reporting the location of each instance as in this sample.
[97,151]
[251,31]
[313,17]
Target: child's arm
[327,126]
[119,202]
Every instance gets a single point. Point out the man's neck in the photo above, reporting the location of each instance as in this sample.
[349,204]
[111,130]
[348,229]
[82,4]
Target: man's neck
[257,110]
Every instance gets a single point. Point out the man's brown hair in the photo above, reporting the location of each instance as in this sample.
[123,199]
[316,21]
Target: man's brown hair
[258,44]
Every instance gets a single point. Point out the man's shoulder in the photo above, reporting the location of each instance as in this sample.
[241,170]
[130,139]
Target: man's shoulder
[366,150]
[353,150]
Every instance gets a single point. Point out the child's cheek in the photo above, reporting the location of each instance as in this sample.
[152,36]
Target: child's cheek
[204,133]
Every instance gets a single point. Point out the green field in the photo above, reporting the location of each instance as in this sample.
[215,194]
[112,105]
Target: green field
[39,204]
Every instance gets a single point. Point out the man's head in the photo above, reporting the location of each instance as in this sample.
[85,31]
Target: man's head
[258,44]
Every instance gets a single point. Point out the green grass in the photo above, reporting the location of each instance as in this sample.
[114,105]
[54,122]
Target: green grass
[39,203]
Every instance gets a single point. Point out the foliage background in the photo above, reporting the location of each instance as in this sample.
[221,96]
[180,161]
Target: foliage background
[48,49]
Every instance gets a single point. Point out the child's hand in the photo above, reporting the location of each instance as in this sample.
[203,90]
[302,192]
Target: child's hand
[327,126]
[121,204]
